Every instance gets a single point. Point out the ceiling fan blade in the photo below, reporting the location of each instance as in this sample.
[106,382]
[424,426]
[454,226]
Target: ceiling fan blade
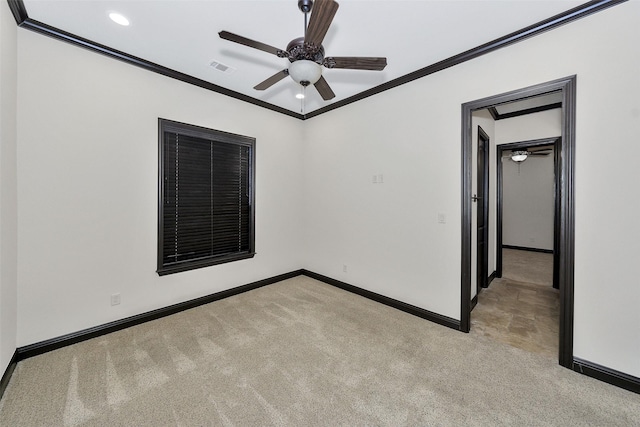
[272,80]
[541,150]
[252,43]
[324,90]
[355,62]
[321,16]
[538,153]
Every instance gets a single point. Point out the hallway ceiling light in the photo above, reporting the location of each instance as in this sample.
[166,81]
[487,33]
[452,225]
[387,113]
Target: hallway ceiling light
[519,156]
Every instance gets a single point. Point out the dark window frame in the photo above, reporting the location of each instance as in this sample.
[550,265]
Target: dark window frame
[216,136]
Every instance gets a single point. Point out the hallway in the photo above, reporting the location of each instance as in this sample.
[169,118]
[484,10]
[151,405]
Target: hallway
[522,308]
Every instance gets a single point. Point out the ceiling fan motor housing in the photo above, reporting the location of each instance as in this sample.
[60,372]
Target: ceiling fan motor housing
[298,50]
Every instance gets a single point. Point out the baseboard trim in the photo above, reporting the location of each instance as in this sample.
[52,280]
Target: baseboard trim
[474,302]
[35,349]
[525,248]
[403,306]
[83,335]
[608,375]
[602,373]
[491,277]
[6,377]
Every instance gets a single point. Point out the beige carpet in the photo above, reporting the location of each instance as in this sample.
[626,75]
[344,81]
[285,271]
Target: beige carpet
[303,353]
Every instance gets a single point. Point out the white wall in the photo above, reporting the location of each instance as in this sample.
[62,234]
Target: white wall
[86,232]
[528,202]
[87,180]
[389,235]
[8,186]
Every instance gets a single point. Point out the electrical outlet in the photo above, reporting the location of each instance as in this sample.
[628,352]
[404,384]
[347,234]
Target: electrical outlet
[442,218]
[344,268]
[375,179]
[115,299]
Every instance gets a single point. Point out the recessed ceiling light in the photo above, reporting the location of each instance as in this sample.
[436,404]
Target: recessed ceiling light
[300,95]
[118,19]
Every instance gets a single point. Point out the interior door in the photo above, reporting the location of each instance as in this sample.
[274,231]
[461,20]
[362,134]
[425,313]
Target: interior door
[482,199]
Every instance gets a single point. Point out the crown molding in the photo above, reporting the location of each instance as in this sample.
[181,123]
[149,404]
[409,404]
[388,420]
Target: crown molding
[22,19]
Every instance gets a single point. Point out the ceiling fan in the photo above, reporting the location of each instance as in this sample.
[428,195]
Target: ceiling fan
[306,54]
[519,156]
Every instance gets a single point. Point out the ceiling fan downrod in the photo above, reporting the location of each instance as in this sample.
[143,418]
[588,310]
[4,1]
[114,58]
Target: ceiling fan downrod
[305,6]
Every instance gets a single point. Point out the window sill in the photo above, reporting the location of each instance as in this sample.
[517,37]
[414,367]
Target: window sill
[192,265]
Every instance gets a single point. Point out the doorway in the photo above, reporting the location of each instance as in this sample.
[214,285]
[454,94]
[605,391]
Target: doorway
[565,220]
[521,308]
[555,144]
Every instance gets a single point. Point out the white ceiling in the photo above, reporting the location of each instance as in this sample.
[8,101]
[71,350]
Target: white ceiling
[183,35]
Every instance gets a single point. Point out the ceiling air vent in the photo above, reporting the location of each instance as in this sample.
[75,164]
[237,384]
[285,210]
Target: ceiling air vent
[222,67]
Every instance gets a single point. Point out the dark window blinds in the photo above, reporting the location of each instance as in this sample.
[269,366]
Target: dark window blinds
[206,209]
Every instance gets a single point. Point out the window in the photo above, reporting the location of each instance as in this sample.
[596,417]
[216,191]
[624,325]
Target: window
[206,198]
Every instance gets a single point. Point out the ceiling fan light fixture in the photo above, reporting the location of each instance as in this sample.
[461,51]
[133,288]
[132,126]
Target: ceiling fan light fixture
[519,156]
[305,72]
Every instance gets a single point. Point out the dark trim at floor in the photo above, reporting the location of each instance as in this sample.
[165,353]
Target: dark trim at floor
[96,331]
[474,302]
[69,339]
[608,375]
[403,306]
[491,277]
[4,382]
[524,248]
[590,369]
[76,337]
